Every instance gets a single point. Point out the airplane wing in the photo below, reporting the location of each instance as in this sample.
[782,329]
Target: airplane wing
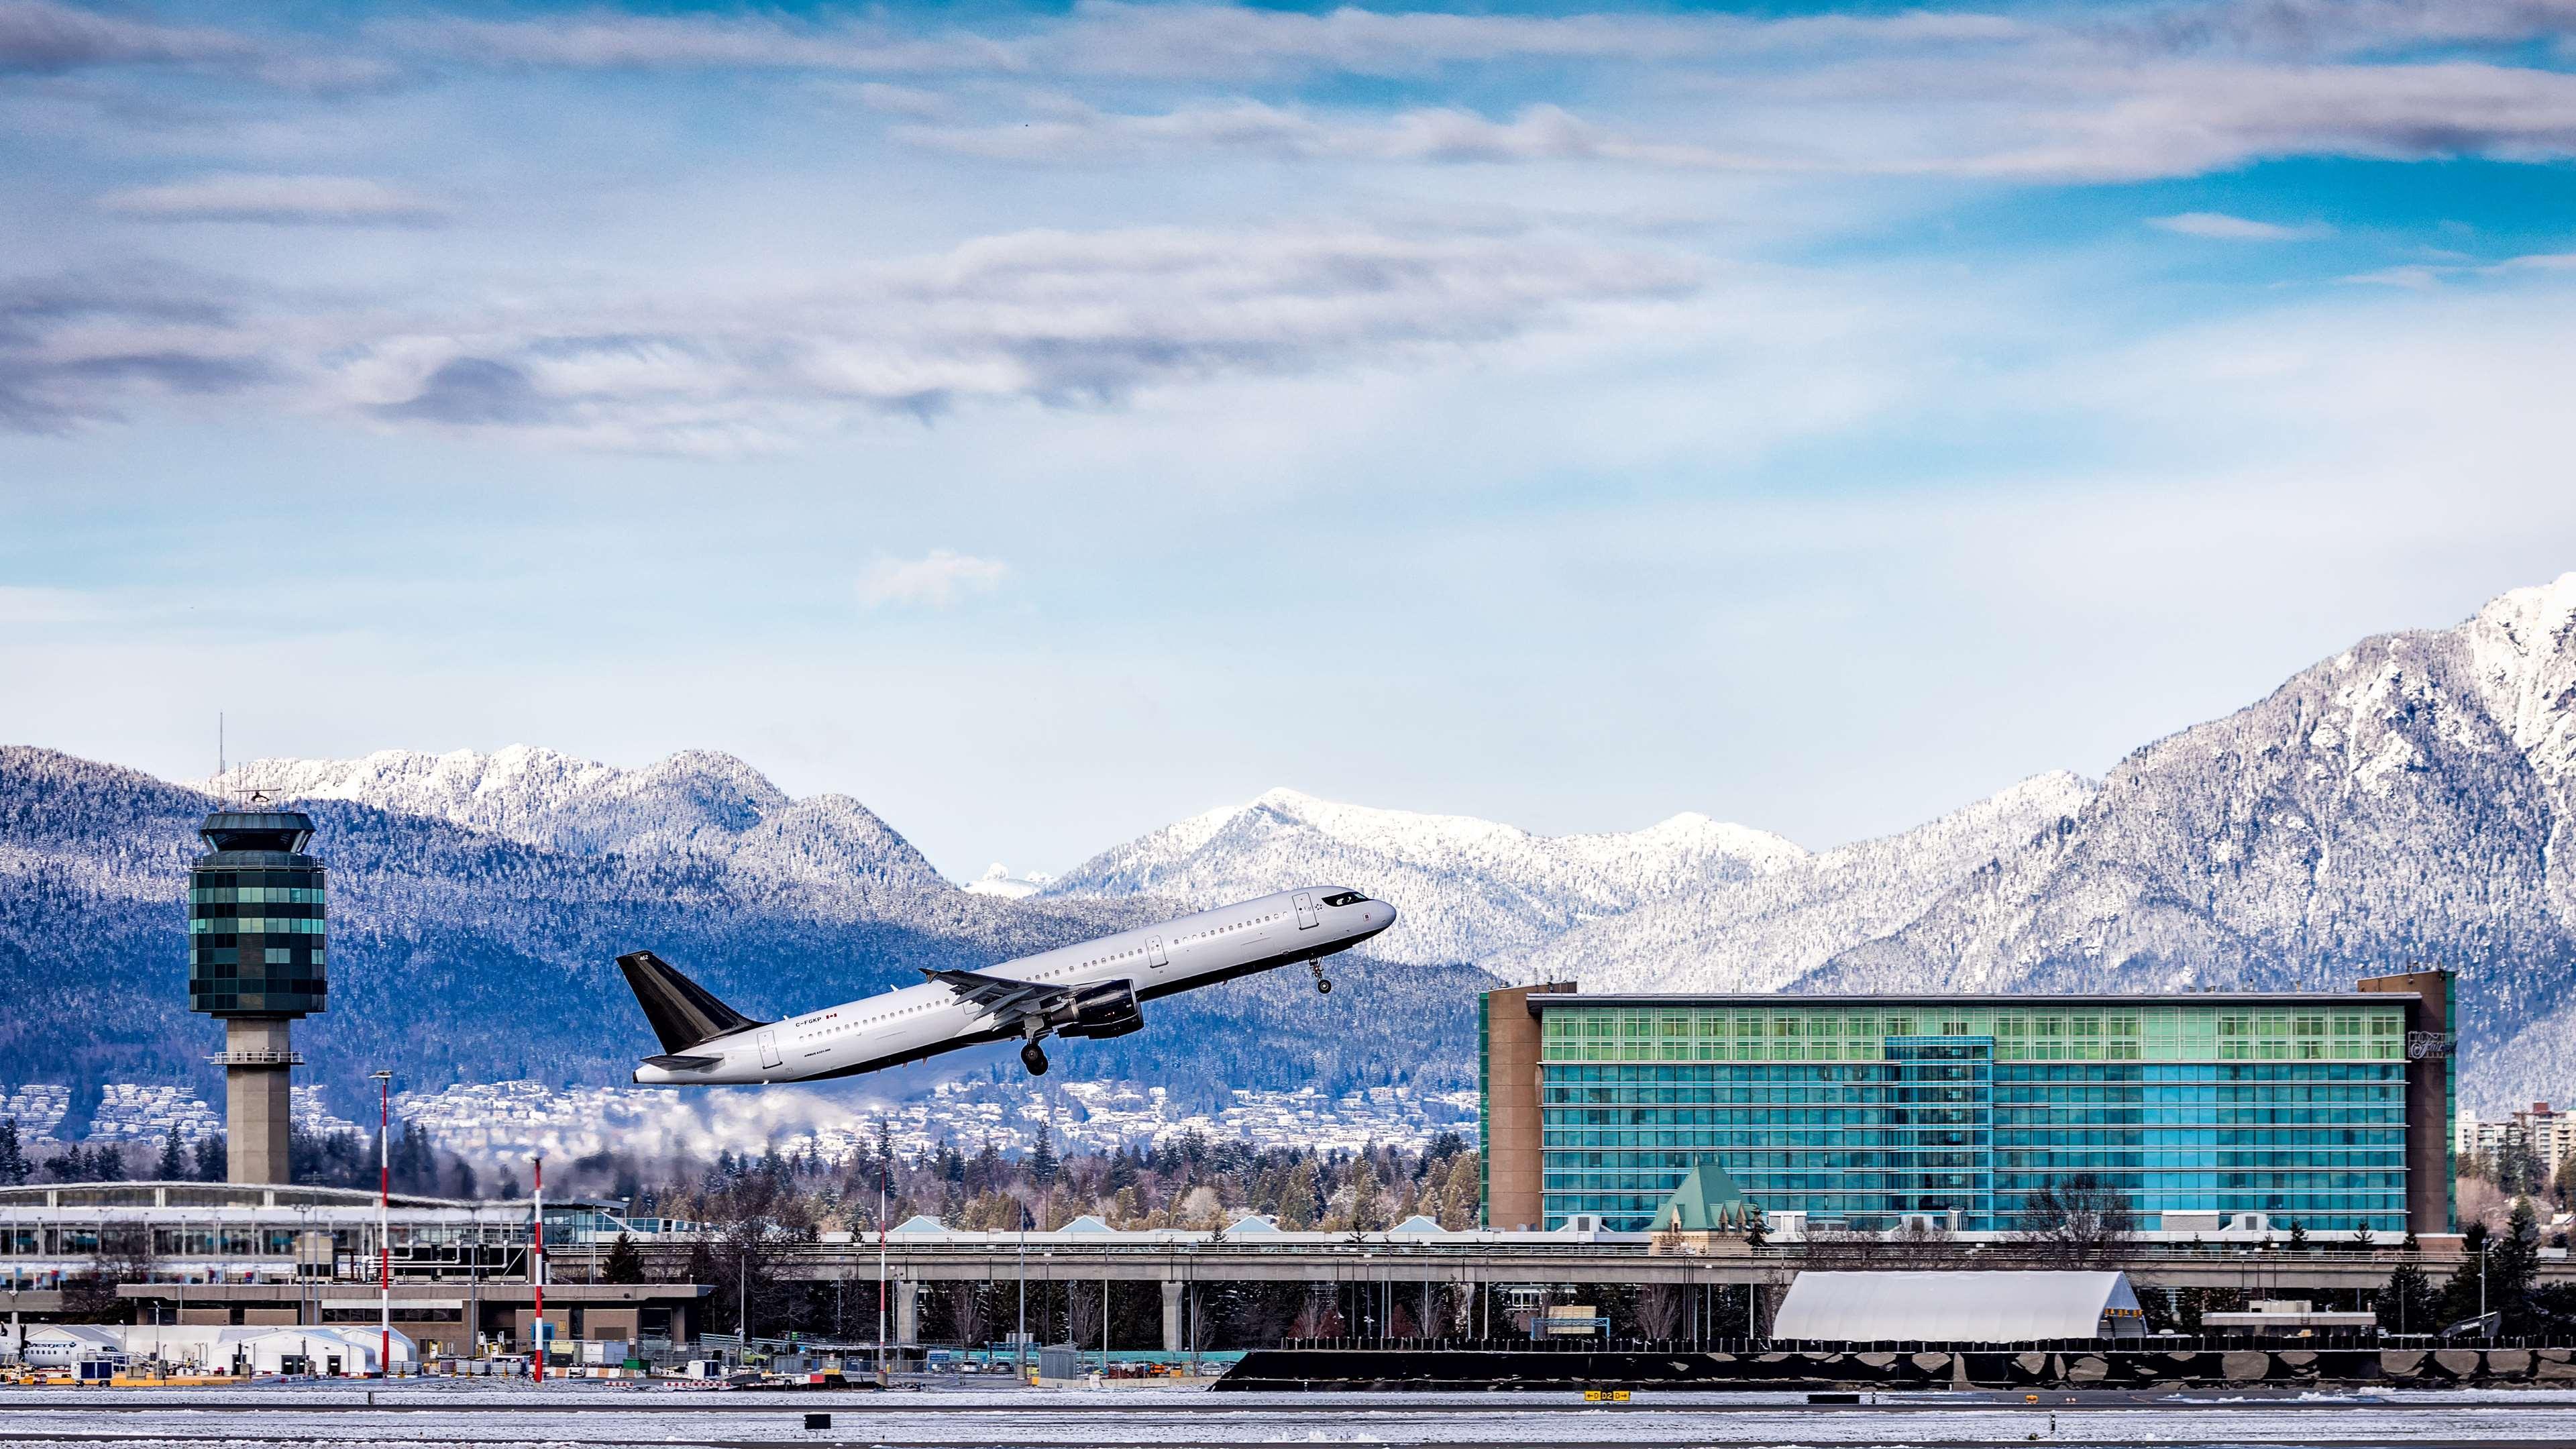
[998,997]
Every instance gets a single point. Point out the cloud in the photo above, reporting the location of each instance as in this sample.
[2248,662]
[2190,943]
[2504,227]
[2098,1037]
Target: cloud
[2218,226]
[471,391]
[604,41]
[1061,318]
[23,605]
[1438,134]
[2426,276]
[39,36]
[74,349]
[43,38]
[278,201]
[935,580]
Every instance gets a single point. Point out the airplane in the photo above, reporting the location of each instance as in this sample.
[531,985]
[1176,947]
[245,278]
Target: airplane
[1091,990]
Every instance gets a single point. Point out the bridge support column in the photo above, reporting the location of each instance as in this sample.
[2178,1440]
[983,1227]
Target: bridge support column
[1171,1316]
[907,1312]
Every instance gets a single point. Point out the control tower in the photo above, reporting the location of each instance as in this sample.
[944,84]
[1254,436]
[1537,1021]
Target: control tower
[255,961]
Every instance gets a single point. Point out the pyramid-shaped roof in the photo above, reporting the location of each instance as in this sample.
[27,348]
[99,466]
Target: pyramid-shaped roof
[1707,1201]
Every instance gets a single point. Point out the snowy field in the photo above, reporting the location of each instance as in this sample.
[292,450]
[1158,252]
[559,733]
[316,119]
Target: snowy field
[440,1414]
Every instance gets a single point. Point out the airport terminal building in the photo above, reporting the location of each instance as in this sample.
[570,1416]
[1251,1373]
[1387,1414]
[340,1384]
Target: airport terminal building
[2327,1110]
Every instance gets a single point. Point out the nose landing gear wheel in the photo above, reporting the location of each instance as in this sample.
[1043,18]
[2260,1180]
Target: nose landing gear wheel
[1320,983]
[1034,1059]
[1323,985]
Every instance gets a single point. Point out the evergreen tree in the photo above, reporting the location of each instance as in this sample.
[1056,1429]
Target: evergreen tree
[1301,1197]
[2408,1303]
[173,1166]
[625,1264]
[415,1161]
[2191,1309]
[211,1164]
[2298,1236]
[1042,1159]
[2461,1296]
[14,1166]
[2512,1265]
[701,1264]
[106,1164]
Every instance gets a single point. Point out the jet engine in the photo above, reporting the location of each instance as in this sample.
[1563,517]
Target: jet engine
[1108,1009]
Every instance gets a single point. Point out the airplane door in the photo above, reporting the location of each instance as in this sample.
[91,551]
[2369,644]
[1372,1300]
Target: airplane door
[1155,955]
[1306,916]
[769,1049]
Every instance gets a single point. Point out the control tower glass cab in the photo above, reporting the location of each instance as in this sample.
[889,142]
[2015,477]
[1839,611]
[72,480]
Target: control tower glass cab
[256,962]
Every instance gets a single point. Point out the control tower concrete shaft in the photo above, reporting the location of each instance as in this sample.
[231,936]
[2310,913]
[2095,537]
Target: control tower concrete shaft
[256,962]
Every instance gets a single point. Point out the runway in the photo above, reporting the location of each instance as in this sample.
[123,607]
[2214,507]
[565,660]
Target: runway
[483,1414]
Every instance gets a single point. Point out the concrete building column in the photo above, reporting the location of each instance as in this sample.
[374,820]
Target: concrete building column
[907,1312]
[1509,1131]
[258,1056]
[1171,1316]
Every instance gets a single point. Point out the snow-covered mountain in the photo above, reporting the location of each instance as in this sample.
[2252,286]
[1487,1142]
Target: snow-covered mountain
[1763,932]
[460,952]
[2411,799]
[1470,889]
[695,803]
[997,880]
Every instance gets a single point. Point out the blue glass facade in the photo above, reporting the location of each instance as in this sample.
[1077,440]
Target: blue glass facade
[1862,1113]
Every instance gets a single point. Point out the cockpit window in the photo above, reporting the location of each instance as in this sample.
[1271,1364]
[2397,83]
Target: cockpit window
[1346,898]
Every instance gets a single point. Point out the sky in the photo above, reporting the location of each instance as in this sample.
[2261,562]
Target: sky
[1043,423]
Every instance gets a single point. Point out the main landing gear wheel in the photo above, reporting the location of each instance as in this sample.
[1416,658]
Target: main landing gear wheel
[1033,1058]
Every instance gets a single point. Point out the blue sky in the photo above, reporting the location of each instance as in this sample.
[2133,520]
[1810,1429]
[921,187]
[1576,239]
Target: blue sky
[1043,423]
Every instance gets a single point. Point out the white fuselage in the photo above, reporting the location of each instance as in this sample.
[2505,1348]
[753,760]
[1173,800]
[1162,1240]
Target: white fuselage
[913,1022]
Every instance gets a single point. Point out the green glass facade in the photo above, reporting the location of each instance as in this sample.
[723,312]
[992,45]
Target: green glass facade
[1861,1111]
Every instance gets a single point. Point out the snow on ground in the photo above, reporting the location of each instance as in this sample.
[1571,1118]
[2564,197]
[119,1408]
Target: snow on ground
[484,1413]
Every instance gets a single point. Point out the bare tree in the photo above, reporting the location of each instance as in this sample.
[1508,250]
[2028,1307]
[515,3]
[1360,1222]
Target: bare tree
[966,1312]
[1320,1317]
[1662,1309]
[1082,1312]
[2078,1221]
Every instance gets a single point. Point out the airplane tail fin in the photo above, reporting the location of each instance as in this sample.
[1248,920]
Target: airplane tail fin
[683,1013]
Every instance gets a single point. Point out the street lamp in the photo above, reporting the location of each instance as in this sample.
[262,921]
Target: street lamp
[2483,1249]
[384,1224]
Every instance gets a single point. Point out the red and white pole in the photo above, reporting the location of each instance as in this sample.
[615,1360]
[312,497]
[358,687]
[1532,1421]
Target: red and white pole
[384,1225]
[537,1267]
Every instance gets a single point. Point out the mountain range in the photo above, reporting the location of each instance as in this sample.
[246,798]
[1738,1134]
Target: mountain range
[2409,800]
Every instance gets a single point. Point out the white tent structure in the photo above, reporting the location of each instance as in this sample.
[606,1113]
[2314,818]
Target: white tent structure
[1958,1307]
[348,1350]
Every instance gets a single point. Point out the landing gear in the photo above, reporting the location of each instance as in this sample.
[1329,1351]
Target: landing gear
[1033,1058]
[1321,984]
